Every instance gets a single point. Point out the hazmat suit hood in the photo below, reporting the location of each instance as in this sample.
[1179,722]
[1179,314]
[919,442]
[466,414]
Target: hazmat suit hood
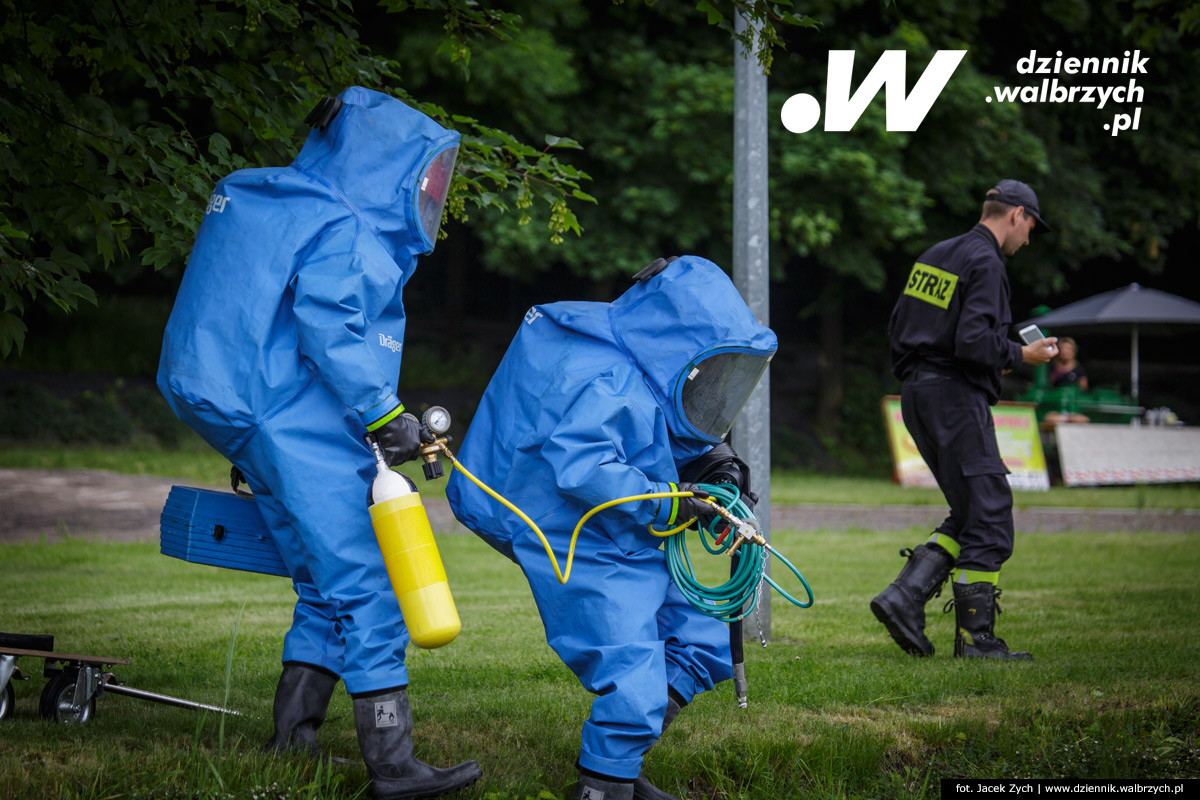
[388,162]
[682,325]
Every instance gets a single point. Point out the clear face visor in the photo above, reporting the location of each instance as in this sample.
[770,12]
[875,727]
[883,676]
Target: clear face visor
[715,390]
[431,192]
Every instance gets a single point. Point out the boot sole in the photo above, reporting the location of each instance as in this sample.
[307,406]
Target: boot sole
[419,794]
[1000,655]
[885,613]
[650,793]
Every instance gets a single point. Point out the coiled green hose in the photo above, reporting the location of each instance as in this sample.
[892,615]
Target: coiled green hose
[737,597]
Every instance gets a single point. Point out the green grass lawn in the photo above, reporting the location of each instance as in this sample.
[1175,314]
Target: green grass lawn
[199,464]
[836,709]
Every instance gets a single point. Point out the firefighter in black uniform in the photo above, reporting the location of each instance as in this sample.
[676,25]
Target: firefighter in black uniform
[950,345]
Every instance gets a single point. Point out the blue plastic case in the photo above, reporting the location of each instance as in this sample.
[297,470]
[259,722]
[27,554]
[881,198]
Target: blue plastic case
[220,529]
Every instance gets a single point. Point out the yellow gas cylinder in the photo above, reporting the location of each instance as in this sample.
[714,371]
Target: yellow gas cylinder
[411,557]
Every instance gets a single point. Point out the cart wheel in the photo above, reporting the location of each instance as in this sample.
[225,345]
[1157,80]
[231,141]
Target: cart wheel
[8,699]
[57,697]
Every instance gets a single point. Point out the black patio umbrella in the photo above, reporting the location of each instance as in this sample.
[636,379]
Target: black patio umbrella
[1142,310]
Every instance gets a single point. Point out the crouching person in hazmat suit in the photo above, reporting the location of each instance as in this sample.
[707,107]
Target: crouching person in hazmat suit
[282,352]
[597,401]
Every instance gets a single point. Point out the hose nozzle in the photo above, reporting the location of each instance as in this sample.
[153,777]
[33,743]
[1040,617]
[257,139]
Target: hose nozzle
[745,530]
[740,687]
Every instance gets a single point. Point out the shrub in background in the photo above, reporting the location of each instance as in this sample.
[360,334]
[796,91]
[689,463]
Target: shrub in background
[151,414]
[101,418]
[117,415]
[31,412]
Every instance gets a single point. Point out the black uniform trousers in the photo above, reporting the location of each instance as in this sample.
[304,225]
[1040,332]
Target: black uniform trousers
[951,423]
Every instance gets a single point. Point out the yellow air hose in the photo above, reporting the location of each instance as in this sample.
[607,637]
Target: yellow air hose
[564,576]
[729,602]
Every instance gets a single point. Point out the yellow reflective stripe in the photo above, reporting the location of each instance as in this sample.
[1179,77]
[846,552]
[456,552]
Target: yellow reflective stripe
[974,576]
[930,284]
[386,418]
[946,543]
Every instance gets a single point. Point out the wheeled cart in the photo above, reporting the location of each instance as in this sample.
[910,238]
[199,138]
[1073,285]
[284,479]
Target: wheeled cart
[75,681]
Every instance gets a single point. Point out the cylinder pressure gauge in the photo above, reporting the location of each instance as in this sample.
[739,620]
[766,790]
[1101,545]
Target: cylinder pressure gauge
[437,420]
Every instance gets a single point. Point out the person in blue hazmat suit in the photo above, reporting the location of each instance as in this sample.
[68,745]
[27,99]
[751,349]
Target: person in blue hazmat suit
[283,351]
[593,402]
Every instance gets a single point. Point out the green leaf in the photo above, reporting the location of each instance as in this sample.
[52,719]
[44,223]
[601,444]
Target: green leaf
[714,15]
[218,145]
[9,232]
[562,141]
[12,334]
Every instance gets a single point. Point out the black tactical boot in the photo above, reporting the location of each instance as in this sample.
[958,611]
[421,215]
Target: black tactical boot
[976,607]
[901,606]
[643,789]
[594,787]
[384,724]
[301,699]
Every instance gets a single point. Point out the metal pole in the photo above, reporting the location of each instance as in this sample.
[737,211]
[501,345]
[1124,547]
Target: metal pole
[167,700]
[752,431]
[1133,362]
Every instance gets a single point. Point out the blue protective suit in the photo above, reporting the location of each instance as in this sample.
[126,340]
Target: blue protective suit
[585,408]
[285,343]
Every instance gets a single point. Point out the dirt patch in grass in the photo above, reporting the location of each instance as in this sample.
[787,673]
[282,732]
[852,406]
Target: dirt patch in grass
[95,504]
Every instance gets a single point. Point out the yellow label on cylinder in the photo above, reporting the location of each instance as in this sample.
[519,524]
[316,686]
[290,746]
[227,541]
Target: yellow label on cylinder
[415,569]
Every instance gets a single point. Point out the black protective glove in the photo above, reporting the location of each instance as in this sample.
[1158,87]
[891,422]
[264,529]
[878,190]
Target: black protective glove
[694,507]
[722,465]
[400,439]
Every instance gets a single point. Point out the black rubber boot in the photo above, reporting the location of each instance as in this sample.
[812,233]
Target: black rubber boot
[643,789]
[301,699]
[595,787]
[901,606]
[976,607]
[384,724]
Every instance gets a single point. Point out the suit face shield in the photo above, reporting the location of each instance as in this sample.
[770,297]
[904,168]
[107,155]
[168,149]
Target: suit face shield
[714,389]
[431,190]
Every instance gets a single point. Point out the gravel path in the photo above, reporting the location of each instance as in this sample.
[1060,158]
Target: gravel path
[92,504]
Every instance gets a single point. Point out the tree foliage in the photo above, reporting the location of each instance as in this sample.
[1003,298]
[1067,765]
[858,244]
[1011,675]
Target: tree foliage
[648,92]
[118,116]
[649,95]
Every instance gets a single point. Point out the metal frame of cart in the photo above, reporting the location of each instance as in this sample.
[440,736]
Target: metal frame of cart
[75,681]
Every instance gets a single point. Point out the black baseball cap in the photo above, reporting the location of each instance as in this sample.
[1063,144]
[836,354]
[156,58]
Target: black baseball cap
[1016,193]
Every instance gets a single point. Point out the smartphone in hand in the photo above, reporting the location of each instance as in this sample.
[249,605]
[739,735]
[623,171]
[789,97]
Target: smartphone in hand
[1030,334]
